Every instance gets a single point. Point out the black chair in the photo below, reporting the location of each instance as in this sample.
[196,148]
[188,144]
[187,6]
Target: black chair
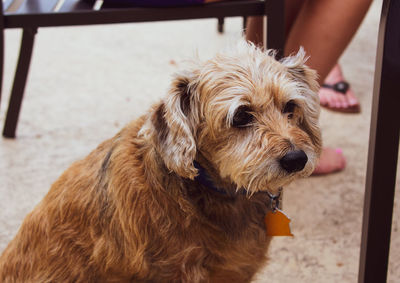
[383,150]
[29,15]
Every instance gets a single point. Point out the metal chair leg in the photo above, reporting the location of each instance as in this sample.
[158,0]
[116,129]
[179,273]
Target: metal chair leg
[383,150]
[1,59]
[1,49]
[20,78]
[221,22]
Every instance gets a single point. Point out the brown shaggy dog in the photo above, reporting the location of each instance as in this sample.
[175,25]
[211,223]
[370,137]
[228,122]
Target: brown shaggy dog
[134,210]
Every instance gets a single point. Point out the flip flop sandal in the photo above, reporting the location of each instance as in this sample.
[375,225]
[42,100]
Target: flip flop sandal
[341,87]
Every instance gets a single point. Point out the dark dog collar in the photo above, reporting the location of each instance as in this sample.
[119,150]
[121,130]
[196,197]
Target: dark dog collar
[204,178]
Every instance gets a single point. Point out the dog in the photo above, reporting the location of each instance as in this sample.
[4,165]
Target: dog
[180,194]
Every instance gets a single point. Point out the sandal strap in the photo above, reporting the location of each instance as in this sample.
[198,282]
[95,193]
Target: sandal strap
[340,87]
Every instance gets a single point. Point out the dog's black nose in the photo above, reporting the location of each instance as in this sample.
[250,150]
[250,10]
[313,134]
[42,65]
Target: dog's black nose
[294,161]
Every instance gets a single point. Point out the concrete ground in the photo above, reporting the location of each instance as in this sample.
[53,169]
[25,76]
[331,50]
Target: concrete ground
[85,83]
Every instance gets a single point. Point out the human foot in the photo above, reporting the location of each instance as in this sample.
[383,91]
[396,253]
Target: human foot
[330,161]
[335,94]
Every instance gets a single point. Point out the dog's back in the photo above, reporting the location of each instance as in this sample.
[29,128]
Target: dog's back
[55,241]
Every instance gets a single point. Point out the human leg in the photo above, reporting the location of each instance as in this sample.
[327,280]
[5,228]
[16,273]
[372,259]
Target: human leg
[324,28]
[255,30]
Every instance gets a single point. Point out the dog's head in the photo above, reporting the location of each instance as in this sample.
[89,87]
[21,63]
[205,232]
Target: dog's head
[252,118]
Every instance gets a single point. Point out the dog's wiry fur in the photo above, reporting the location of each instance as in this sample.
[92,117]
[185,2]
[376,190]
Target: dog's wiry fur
[132,211]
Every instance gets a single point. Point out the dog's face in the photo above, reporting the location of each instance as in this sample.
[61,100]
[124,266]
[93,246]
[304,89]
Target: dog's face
[254,119]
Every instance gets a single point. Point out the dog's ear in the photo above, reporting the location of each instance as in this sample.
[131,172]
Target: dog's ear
[174,121]
[308,87]
[296,66]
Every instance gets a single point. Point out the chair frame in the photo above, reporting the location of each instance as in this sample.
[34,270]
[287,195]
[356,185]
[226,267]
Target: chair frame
[383,150]
[38,13]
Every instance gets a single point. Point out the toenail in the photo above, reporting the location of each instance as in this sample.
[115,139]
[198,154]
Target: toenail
[339,150]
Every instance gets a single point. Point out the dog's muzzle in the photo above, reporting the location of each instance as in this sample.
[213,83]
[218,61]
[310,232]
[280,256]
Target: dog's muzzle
[294,161]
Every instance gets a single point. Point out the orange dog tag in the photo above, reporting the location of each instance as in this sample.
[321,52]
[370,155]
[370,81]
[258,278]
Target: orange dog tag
[277,223]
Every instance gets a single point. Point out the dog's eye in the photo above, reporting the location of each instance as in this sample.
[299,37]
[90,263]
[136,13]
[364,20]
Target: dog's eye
[242,117]
[289,108]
